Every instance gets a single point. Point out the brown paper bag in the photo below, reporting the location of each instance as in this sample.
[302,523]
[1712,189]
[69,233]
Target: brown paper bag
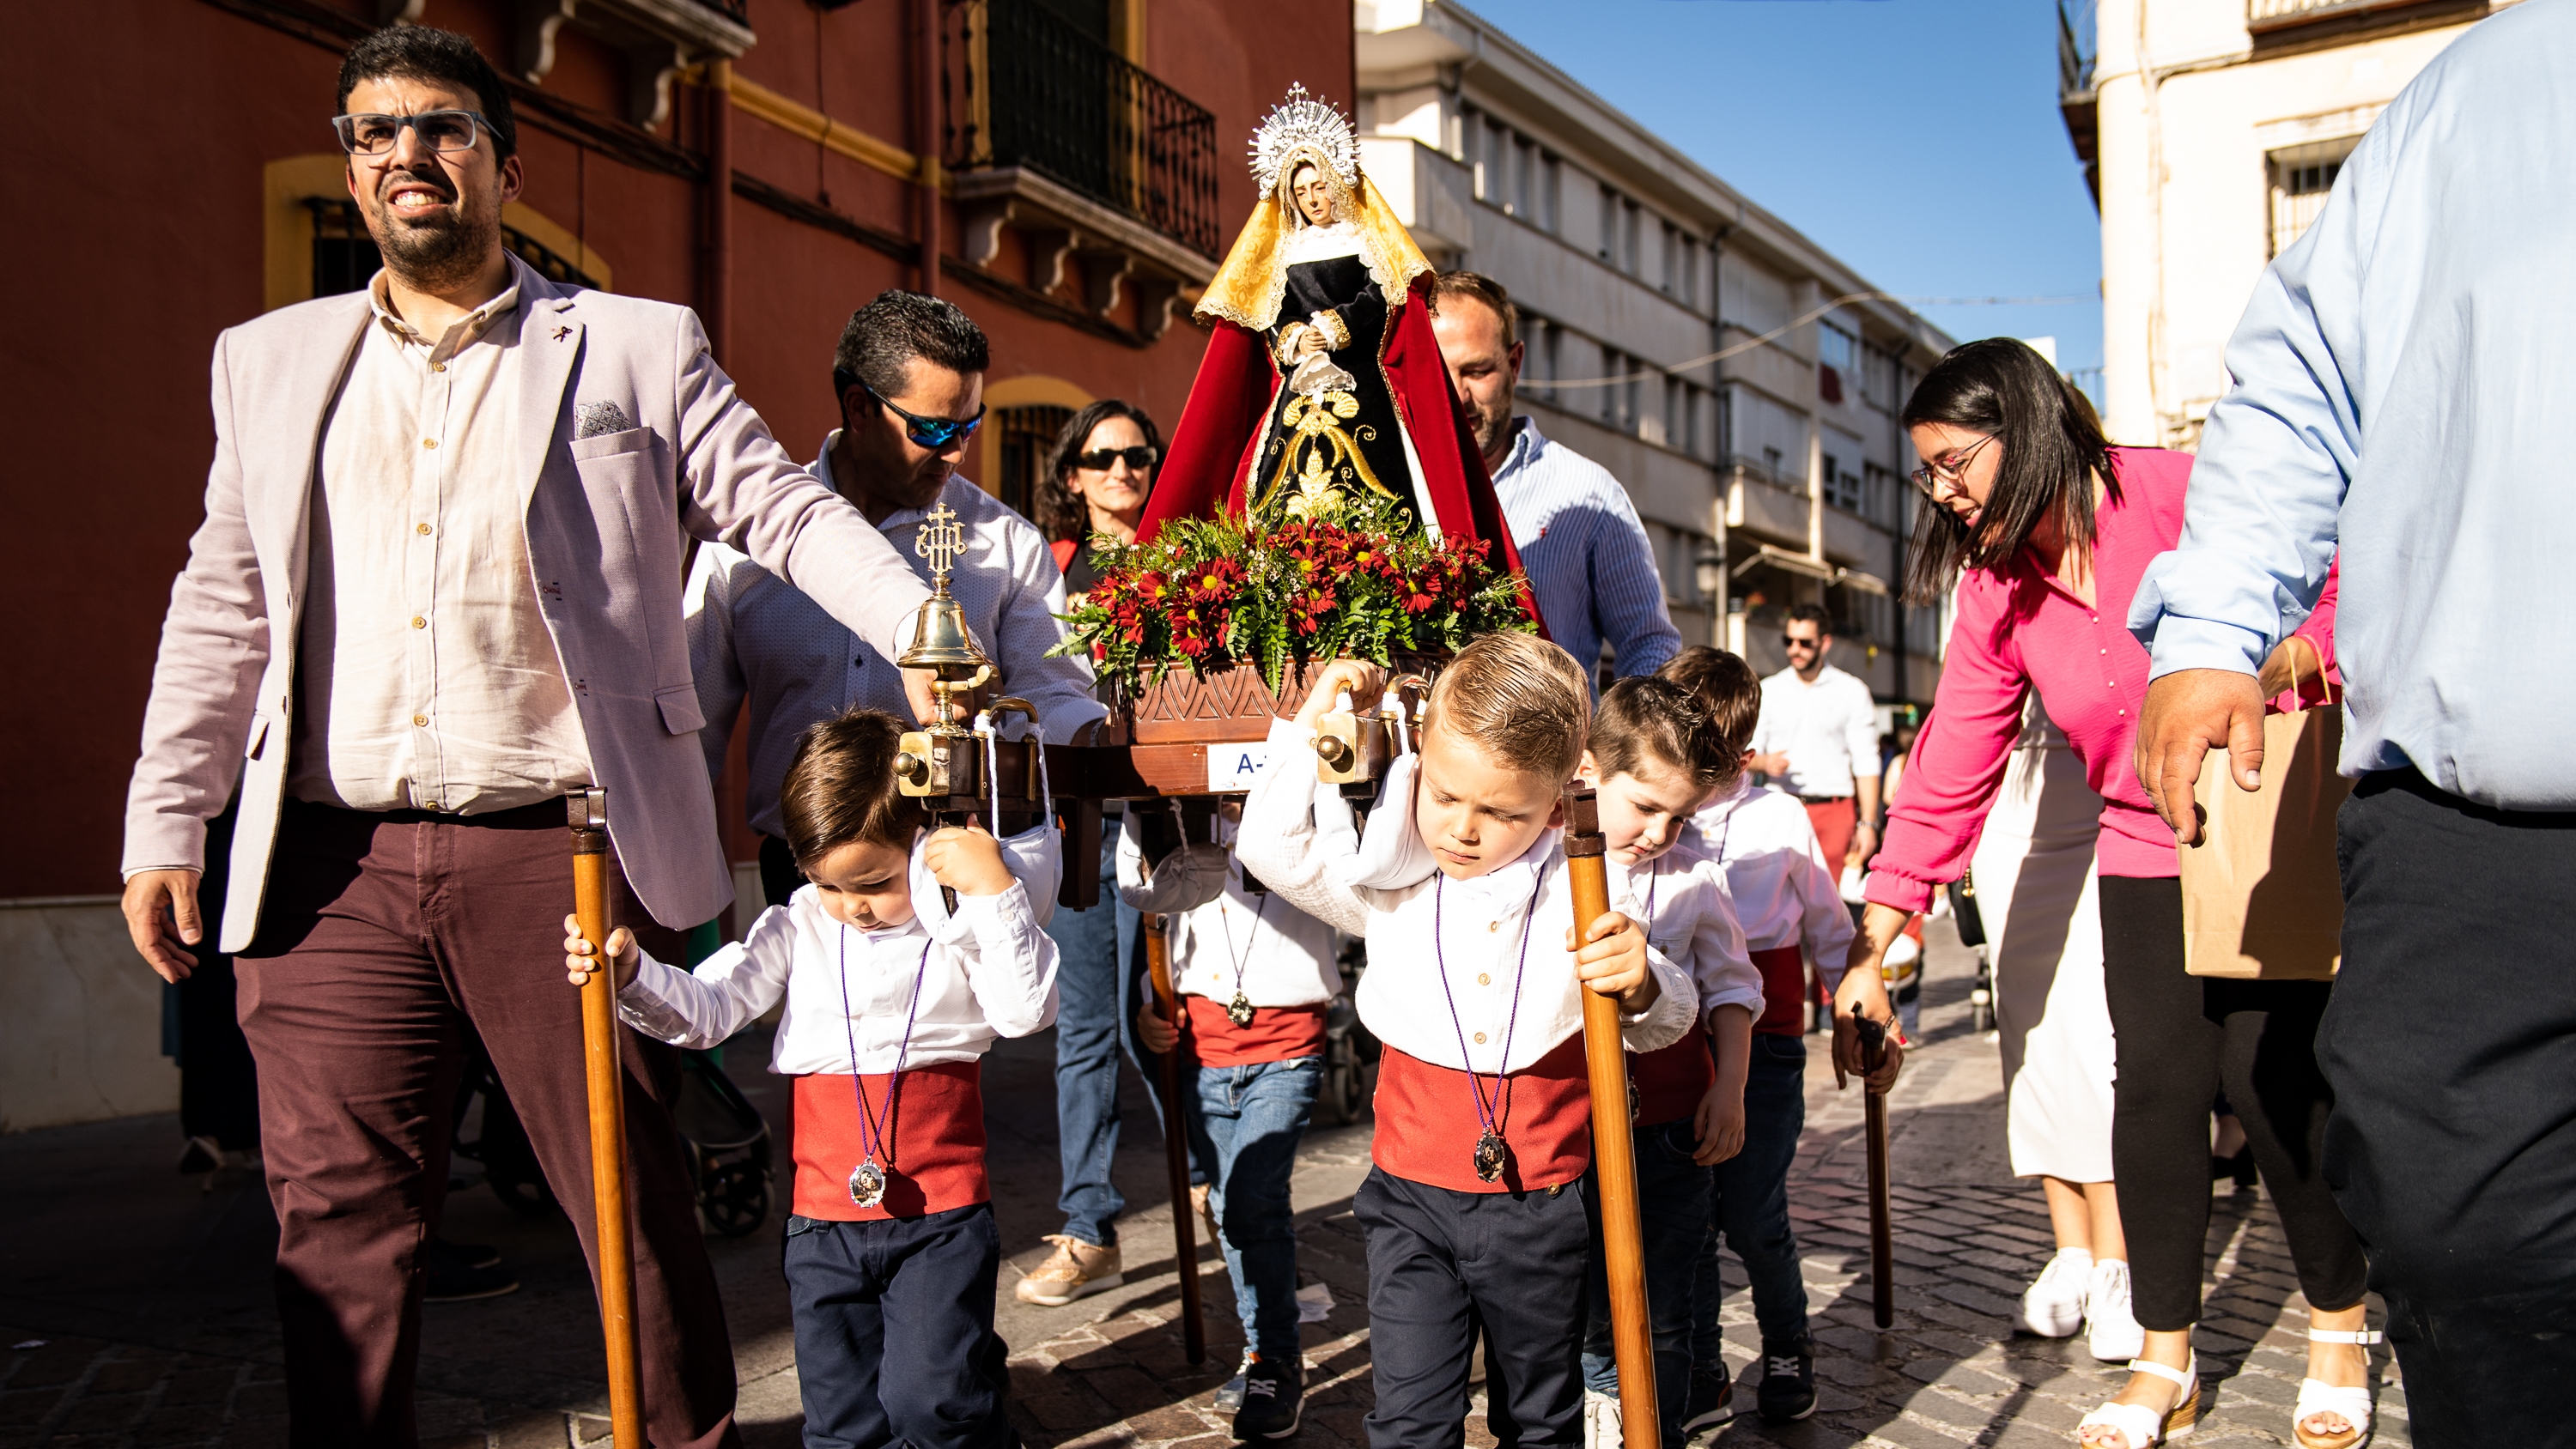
[2262,898]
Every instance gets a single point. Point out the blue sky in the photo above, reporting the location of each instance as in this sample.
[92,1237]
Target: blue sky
[1918,140]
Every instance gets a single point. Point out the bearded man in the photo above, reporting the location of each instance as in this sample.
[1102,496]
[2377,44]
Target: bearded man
[438,588]
[1591,567]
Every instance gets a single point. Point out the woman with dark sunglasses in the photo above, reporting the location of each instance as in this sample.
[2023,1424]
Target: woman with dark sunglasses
[1098,477]
[2046,530]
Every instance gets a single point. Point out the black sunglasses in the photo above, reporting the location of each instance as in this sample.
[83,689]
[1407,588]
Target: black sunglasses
[1138,458]
[925,432]
[1792,641]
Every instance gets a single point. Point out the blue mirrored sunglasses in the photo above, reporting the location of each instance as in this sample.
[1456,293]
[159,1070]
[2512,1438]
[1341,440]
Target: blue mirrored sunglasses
[924,432]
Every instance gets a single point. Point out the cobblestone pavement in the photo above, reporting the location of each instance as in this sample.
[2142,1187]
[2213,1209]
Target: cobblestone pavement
[134,1305]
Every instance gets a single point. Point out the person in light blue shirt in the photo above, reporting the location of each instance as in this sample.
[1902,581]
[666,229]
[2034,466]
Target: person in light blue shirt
[1589,564]
[2403,395]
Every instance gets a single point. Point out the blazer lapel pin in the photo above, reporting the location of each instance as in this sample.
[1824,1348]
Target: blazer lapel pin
[562,332]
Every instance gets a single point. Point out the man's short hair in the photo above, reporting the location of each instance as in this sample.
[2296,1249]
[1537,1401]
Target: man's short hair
[840,788]
[1728,689]
[1446,286]
[1521,700]
[421,52]
[1647,723]
[883,338]
[1815,614]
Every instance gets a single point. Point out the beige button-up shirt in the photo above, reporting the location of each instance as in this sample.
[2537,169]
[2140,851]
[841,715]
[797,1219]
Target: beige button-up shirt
[427,675]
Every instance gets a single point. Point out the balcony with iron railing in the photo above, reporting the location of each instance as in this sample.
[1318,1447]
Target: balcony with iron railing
[1030,92]
[2275,24]
[2075,93]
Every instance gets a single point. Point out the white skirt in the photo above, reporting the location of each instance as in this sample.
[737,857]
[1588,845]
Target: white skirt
[2039,898]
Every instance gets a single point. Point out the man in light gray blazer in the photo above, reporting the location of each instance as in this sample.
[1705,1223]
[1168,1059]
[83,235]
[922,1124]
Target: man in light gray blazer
[437,588]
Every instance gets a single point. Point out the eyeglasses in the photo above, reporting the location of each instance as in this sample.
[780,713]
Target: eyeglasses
[1099,459]
[1792,641]
[1952,470]
[932,433]
[370,133]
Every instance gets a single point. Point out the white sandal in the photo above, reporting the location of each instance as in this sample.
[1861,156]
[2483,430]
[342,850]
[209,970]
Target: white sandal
[2318,1397]
[2141,1427]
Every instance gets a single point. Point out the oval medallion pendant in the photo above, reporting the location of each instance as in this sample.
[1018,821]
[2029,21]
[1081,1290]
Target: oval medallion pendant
[867,1184]
[1491,1155]
[1239,1010]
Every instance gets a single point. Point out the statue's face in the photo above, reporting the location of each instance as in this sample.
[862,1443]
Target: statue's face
[1314,194]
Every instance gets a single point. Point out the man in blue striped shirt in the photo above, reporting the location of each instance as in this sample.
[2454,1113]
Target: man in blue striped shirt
[1589,564]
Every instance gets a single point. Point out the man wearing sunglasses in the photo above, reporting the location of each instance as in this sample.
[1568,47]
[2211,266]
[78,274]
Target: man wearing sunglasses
[909,374]
[1818,736]
[438,589]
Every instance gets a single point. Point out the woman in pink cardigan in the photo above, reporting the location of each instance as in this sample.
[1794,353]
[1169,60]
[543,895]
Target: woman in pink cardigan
[2047,529]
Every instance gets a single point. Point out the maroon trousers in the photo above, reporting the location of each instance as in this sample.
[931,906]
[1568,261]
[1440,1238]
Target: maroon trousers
[384,940]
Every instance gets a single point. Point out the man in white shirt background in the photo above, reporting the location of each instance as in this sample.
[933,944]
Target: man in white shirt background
[1818,739]
[910,374]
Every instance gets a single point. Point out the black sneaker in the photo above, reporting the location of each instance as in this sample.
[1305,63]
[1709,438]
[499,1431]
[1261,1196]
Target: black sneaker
[451,1274]
[1230,1398]
[1788,1388]
[1711,1402]
[1274,1395]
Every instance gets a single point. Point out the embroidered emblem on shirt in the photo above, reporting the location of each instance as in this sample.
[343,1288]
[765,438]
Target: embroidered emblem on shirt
[601,417]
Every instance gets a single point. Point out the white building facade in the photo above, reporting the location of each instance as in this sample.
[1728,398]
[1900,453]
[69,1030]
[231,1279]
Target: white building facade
[2211,132]
[1770,476]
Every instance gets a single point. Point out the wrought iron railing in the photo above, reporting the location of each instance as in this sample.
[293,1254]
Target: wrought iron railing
[2075,48]
[1026,88]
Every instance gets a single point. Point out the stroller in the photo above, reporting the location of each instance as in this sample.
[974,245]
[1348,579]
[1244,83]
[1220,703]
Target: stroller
[726,1141]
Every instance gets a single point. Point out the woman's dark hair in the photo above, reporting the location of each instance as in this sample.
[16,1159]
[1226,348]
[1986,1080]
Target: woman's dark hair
[421,52]
[1060,514]
[2052,447]
[840,787]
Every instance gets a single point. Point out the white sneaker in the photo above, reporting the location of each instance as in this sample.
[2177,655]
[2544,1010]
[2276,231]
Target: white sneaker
[2053,1305]
[2115,1334]
[1601,1428]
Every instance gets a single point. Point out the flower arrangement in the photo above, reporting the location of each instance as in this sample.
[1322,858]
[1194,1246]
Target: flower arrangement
[1214,592]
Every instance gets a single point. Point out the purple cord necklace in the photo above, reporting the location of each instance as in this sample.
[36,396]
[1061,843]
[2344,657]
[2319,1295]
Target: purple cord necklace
[1492,1152]
[1240,1010]
[876,1134]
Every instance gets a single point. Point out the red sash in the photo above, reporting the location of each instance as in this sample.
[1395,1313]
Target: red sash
[1427,1124]
[1671,1080]
[1277,1034]
[1784,991]
[936,1143]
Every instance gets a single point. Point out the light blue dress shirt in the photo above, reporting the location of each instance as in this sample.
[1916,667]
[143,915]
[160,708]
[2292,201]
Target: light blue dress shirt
[1589,564]
[2403,391]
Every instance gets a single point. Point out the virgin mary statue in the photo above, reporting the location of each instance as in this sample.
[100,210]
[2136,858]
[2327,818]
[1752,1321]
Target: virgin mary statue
[1323,379]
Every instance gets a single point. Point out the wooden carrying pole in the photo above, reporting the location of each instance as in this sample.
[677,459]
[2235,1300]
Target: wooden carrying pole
[1176,1147]
[1614,1159]
[604,1075]
[1882,1237]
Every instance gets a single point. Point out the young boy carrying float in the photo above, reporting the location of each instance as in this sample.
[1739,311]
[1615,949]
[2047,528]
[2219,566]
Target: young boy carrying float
[1475,1210]
[892,999]
[1655,756]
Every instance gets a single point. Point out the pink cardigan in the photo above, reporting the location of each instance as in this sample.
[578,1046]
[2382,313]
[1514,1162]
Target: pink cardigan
[2017,628]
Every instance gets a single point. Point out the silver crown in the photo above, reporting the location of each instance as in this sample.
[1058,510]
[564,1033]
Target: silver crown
[1302,124]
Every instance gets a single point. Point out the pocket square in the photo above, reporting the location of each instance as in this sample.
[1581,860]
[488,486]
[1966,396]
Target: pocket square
[601,417]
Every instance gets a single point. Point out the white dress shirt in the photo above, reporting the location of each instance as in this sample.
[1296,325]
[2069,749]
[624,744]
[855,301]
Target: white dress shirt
[2400,394]
[1506,1006]
[1224,938]
[1681,898]
[1829,730]
[427,676]
[1776,875]
[989,972]
[753,636]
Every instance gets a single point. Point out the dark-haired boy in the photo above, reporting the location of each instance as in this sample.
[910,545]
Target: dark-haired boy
[1654,756]
[1791,911]
[890,1001]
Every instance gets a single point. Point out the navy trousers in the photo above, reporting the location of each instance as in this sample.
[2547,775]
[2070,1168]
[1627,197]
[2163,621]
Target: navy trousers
[1442,1262]
[1673,1203]
[894,1331]
[2451,1043]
